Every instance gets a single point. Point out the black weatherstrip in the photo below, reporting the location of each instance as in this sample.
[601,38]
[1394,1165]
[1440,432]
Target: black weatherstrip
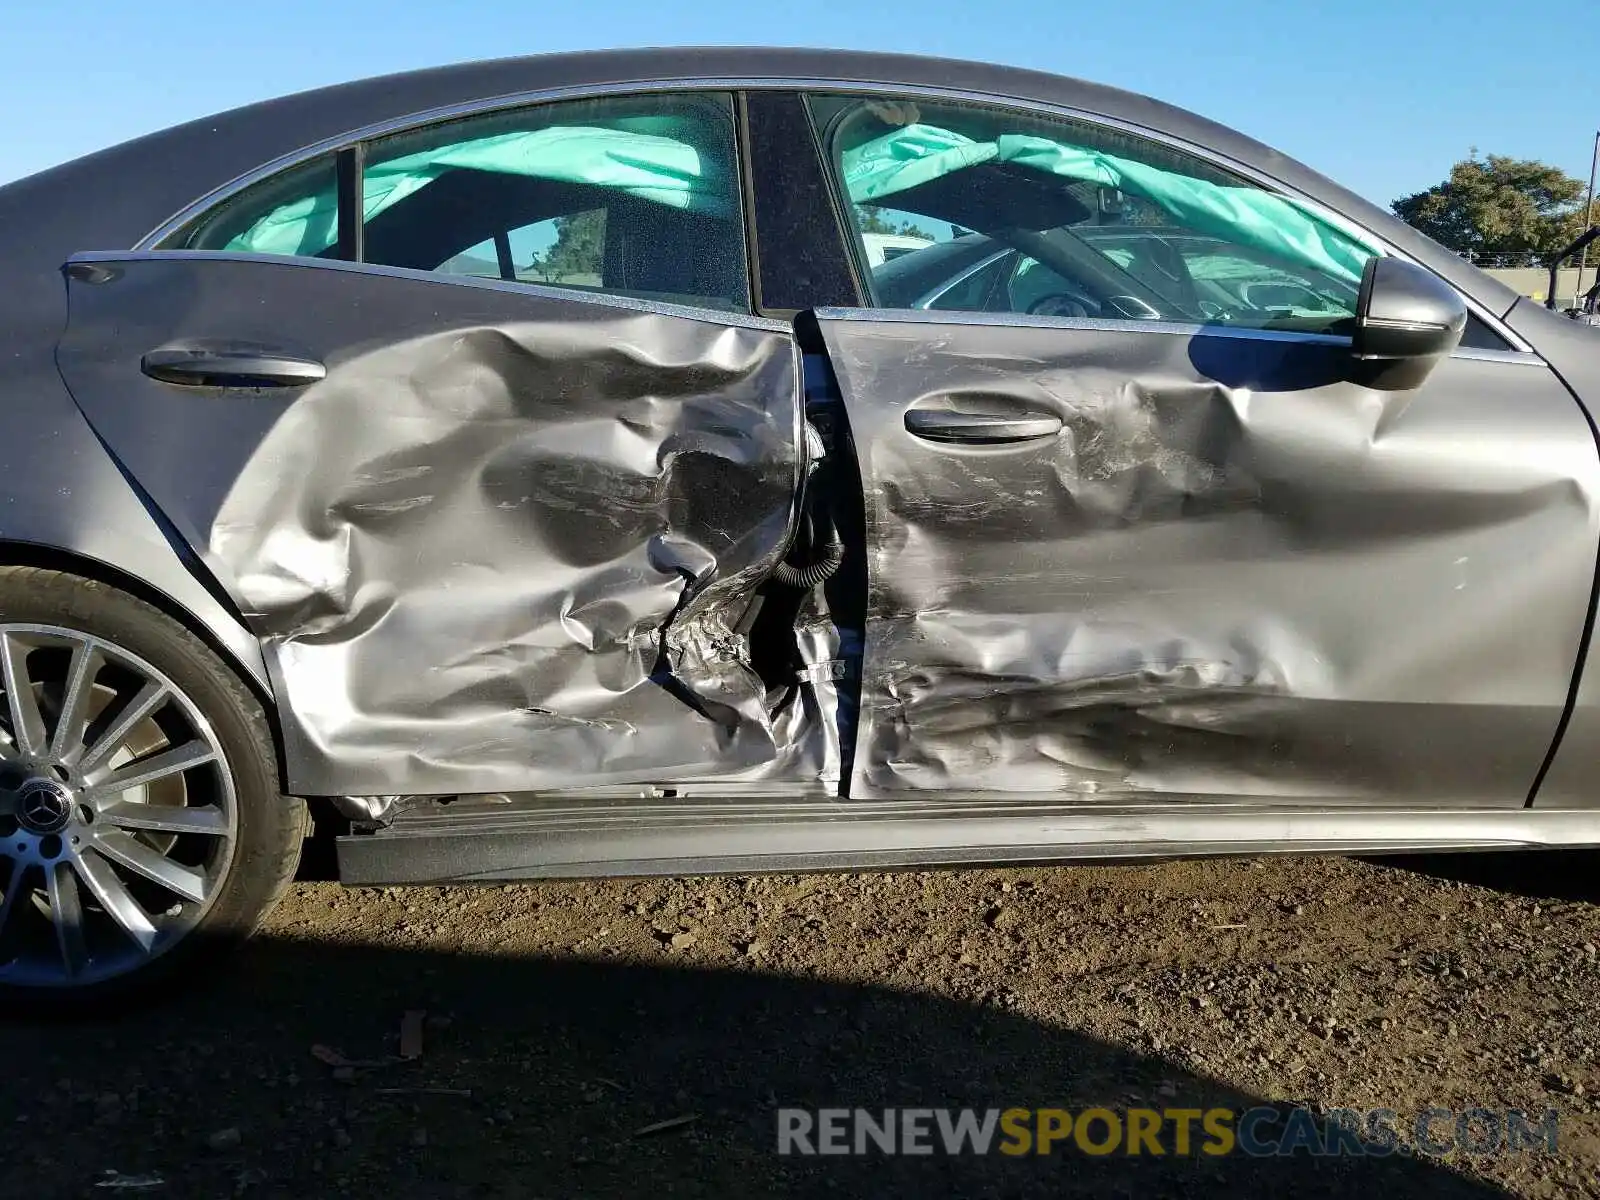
[349,166]
[800,260]
[747,200]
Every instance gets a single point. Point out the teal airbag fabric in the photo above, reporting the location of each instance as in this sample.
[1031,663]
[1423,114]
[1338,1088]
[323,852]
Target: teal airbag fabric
[908,157]
[650,166]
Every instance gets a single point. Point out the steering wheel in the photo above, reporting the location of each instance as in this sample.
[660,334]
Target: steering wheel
[1064,304]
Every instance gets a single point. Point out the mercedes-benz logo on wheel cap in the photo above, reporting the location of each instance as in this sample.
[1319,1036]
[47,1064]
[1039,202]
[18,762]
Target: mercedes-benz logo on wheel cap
[43,806]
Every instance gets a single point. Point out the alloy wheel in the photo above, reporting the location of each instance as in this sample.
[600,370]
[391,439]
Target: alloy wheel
[118,816]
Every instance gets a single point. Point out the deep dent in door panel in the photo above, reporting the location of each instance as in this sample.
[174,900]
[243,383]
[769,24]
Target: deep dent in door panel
[507,556]
[1232,573]
[535,628]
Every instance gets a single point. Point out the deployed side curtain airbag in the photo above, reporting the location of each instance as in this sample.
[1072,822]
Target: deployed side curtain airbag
[651,166]
[915,154]
[907,158]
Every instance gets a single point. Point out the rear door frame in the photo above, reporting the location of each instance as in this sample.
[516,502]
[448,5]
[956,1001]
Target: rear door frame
[313,761]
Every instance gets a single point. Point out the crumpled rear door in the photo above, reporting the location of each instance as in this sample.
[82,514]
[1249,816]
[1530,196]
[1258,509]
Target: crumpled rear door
[492,537]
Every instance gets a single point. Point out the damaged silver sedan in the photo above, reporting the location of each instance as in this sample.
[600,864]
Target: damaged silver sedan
[755,460]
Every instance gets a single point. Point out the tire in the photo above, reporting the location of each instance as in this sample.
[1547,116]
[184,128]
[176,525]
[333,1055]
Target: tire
[176,840]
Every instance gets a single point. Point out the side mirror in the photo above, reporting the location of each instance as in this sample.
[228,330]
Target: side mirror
[1406,317]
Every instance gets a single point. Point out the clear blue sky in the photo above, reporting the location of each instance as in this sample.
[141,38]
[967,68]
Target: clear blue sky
[1381,94]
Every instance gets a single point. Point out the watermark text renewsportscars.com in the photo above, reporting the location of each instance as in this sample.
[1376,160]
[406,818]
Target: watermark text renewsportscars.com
[1260,1131]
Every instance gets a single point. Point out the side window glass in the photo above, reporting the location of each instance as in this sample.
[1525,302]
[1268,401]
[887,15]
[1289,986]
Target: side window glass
[1035,289]
[980,290]
[564,251]
[293,212]
[1096,223]
[635,195]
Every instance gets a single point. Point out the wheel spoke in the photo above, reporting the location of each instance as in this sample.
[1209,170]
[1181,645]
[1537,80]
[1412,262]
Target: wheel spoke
[153,821]
[165,818]
[153,767]
[27,725]
[74,716]
[66,913]
[19,872]
[115,898]
[128,851]
[148,699]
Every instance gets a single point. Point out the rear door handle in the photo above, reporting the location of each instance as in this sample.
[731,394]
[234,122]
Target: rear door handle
[941,425]
[222,368]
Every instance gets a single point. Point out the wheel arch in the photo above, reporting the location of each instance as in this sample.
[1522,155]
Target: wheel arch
[226,643]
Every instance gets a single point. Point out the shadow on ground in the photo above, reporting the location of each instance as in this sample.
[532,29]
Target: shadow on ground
[217,1092]
[1572,875]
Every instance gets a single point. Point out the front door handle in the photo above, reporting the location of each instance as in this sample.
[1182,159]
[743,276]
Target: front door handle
[230,368]
[942,425]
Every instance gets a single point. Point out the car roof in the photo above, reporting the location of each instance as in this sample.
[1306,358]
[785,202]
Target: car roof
[77,206]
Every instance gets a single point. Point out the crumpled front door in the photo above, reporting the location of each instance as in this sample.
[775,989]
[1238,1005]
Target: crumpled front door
[1138,563]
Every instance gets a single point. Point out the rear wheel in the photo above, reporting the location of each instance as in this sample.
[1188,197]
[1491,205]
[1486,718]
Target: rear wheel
[140,819]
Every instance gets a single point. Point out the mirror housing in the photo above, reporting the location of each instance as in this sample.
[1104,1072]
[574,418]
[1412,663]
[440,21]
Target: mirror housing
[1406,316]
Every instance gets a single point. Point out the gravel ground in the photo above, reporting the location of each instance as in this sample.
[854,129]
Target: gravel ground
[564,1018]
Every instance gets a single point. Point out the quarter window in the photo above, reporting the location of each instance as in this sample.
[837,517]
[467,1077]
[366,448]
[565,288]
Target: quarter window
[979,208]
[636,196]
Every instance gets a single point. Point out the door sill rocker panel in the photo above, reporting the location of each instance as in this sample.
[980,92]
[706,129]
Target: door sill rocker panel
[575,841]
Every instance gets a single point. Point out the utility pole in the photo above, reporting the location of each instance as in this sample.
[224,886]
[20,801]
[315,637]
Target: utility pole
[1588,219]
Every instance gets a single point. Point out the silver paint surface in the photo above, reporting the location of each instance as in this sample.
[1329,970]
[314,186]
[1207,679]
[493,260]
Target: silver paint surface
[1573,350]
[1234,572]
[501,545]
[1446,671]
[576,839]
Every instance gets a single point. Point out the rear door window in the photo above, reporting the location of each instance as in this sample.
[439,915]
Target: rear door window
[633,195]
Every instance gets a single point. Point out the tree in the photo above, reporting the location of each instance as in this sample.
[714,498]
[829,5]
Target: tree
[579,248]
[872,220]
[1499,205]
